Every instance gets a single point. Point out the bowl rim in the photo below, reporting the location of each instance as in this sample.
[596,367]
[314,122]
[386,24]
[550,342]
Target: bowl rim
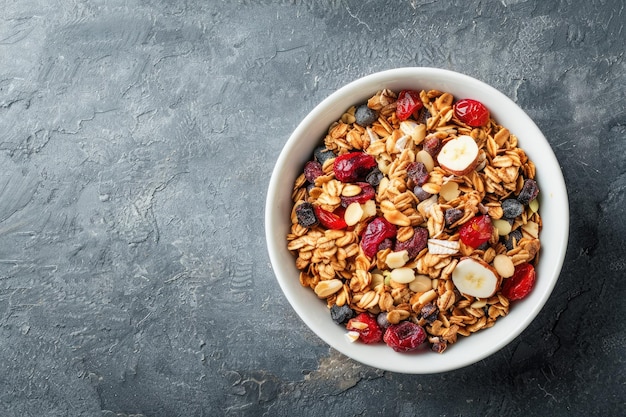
[548,175]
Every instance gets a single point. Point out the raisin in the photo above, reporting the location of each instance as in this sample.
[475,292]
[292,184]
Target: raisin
[417,172]
[433,145]
[341,314]
[353,166]
[365,116]
[452,215]
[312,170]
[529,191]
[415,244]
[429,312]
[385,244]
[438,345]
[305,213]
[511,208]
[405,336]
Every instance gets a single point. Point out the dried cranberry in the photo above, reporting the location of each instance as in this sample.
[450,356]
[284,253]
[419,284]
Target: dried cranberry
[408,104]
[370,333]
[305,213]
[521,283]
[353,166]
[417,172]
[471,112]
[415,244]
[433,145]
[476,231]
[385,244]
[376,231]
[367,193]
[312,170]
[330,220]
[405,336]
[529,191]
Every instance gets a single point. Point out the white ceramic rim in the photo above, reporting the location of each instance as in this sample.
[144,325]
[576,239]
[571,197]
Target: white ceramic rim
[555,220]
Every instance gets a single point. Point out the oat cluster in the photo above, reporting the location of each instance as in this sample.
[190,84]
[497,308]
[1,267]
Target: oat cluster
[332,262]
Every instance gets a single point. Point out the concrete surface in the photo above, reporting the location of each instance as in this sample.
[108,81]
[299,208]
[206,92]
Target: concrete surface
[137,142]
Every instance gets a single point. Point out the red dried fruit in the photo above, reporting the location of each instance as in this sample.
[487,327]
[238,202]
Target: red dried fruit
[471,112]
[476,231]
[353,166]
[312,170]
[408,104]
[405,336]
[376,231]
[367,327]
[415,244]
[330,220]
[367,193]
[521,283]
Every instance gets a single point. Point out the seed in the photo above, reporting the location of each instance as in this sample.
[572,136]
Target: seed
[503,226]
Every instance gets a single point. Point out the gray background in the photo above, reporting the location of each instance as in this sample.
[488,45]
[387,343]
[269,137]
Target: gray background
[137,141]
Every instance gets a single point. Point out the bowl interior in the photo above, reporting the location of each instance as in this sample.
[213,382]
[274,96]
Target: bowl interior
[553,209]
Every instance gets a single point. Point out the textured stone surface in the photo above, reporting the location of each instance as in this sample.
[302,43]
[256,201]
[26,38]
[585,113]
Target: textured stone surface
[137,142]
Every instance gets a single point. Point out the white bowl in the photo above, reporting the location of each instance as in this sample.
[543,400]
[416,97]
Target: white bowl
[554,211]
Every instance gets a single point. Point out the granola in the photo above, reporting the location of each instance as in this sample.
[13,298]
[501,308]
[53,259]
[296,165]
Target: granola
[427,200]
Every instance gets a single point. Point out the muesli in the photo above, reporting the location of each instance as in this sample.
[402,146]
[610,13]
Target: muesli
[416,220]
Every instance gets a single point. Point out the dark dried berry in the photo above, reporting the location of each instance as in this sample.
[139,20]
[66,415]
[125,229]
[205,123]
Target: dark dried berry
[305,213]
[433,146]
[374,177]
[438,345]
[405,336]
[365,116]
[417,172]
[423,116]
[421,194]
[353,166]
[429,312]
[312,170]
[511,208]
[382,321]
[529,192]
[510,242]
[452,215]
[341,314]
[323,154]
[415,244]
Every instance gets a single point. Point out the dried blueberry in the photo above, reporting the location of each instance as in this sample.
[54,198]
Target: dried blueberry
[365,116]
[417,172]
[374,177]
[421,194]
[341,314]
[323,154]
[382,321]
[510,241]
[452,215]
[512,208]
[305,213]
[529,191]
